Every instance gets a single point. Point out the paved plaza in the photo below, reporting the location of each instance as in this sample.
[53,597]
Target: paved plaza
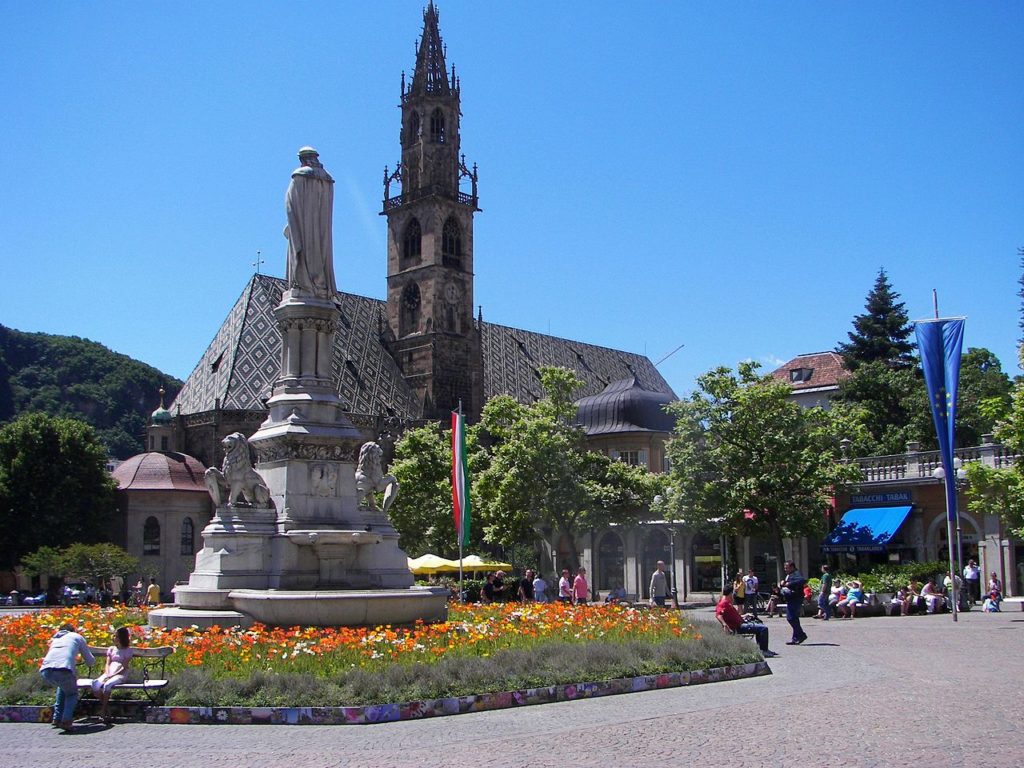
[918,691]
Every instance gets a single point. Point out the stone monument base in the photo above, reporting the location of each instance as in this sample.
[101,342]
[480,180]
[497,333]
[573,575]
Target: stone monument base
[313,608]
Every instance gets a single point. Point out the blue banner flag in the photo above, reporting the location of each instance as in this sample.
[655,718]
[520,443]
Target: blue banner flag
[940,342]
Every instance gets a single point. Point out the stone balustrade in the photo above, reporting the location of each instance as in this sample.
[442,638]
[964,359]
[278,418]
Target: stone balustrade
[916,464]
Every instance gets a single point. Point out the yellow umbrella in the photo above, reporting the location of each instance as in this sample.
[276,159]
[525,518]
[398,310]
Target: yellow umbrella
[477,563]
[428,563]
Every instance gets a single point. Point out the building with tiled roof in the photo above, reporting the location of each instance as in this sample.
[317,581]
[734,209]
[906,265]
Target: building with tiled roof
[814,377]
[163,505]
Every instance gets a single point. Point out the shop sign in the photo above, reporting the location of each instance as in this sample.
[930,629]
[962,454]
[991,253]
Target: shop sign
[873,499]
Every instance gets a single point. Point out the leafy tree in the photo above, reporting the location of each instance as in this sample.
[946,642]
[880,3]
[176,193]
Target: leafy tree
[422,513]
[45,561]
[54,487]
[748,460]
[1001,491]
[96,562]
[983,398]
[882,333]
[890,403]
[542,479]
[992,491]
[1020,293]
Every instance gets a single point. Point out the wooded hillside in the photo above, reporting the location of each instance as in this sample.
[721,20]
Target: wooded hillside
[69,376]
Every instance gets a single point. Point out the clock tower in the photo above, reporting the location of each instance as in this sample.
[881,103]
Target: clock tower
[431,332]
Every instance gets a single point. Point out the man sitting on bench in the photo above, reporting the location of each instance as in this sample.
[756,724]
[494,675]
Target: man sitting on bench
[733,623]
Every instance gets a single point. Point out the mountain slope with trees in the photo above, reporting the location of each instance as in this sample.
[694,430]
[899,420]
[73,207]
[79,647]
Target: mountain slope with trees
[72,377]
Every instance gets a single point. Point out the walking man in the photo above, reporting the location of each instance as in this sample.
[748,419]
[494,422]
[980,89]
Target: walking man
[659,585]
[824,604]
[792,588]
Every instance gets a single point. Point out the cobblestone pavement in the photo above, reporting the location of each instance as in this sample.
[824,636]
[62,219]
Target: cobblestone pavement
[918,691]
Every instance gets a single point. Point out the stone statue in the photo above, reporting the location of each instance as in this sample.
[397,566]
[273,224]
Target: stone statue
[237,477]
[370,479]
[309,205]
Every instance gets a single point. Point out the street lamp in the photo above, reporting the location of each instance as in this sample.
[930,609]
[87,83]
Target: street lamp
[671,554]
[844,448]
[960,476]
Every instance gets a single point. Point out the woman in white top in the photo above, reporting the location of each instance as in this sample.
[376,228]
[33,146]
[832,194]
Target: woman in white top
[119,657]
[565,587]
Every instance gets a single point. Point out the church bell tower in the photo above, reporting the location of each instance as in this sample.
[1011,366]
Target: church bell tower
[431,331]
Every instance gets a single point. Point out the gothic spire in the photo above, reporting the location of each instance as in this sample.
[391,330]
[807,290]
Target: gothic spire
[430,75]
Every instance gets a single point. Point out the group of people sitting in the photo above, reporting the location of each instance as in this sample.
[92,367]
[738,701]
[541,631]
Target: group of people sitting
[931,598]
[842,600]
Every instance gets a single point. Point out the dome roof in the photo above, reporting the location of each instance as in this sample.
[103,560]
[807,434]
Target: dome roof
[625,406]
[161,416]
[160,472]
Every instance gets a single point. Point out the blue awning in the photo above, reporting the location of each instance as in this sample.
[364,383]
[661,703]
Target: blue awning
[867,529]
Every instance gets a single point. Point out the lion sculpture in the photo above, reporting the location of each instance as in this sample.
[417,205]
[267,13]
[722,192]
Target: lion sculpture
[237,477]
[370,479]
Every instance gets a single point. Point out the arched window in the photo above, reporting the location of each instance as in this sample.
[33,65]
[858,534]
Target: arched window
[188,537]
[409,313]
[437,126]
[412,240]
[611,563]
[451,244]
[151,537]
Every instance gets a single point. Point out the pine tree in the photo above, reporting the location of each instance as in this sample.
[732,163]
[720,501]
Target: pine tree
[882,333]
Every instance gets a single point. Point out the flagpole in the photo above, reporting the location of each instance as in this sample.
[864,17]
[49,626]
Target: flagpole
[462,594]
[939,343]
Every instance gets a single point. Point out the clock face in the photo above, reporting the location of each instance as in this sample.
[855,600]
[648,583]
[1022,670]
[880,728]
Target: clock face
[451,293]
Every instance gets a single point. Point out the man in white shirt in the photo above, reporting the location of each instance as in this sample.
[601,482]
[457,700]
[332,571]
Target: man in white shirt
[540,589]
[58,669]
[972,575]
[659,585]
[750,584]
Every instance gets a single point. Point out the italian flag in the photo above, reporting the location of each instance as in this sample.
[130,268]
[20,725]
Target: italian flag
[460,480]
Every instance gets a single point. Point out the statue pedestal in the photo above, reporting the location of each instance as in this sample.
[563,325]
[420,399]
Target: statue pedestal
[315,557]
[236,554]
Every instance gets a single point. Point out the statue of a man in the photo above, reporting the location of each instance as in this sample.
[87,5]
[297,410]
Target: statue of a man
[309,205]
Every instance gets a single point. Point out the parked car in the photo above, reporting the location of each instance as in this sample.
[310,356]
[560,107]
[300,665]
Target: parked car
[78,593]
[39,599]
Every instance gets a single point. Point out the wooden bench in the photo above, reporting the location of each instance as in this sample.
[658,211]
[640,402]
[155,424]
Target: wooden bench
[151,661]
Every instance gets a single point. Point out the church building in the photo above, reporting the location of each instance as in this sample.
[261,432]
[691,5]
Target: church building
[422,352]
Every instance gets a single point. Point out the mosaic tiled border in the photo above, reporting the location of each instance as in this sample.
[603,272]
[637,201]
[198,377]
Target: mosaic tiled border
[385,713]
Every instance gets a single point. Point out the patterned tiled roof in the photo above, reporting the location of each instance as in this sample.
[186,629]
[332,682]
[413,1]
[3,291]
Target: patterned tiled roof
[239,367]
[160,472]
[826,370]
[512,357]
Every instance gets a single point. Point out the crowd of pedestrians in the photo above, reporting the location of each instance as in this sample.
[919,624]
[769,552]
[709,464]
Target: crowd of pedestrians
[534,588]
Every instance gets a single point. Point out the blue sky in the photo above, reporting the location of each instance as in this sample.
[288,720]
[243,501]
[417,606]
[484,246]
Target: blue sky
[725,176]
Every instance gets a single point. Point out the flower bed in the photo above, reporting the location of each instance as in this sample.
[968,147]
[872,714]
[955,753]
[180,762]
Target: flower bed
[479,649]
